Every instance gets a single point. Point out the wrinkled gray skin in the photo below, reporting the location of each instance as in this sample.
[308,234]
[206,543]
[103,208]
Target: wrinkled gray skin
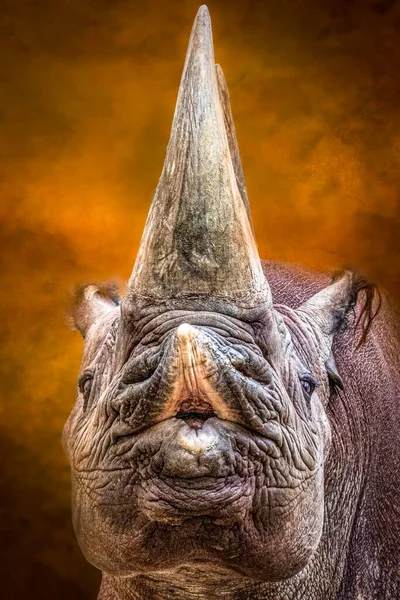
[217,449]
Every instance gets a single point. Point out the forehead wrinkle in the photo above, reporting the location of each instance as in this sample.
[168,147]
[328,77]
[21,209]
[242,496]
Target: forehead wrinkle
[161,324]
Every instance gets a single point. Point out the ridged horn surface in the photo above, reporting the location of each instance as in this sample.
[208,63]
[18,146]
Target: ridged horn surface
[232,139]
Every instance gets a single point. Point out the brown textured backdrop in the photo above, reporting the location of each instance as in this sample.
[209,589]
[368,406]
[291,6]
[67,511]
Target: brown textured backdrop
[87,89]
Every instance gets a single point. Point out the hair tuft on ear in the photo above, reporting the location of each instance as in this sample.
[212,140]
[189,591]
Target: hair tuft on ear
[372,302]
[331,308]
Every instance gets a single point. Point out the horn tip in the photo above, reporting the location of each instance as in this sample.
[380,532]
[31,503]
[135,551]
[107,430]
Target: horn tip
[200,42]
[203,16]
[203,11]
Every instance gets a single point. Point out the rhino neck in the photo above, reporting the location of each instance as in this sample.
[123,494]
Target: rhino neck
[198,582]
[206,582]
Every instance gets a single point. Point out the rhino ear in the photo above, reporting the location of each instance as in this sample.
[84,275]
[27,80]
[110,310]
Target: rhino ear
[91,303]
[328,310]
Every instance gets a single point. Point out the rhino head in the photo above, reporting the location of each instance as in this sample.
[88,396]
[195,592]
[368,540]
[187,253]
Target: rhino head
[199,431]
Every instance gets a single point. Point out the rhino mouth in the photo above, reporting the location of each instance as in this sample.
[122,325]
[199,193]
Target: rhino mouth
[195,414]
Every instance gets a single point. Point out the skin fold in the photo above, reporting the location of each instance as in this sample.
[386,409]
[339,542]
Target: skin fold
[231,436]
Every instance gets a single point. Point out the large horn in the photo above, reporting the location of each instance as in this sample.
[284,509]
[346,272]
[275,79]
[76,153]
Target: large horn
[198,239]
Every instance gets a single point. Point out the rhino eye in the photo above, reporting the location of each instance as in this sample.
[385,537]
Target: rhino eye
[85,385]
[308,384]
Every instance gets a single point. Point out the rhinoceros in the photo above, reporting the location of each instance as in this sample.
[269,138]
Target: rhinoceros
[236,428]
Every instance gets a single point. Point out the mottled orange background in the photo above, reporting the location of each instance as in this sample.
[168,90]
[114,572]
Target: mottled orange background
[87,90]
